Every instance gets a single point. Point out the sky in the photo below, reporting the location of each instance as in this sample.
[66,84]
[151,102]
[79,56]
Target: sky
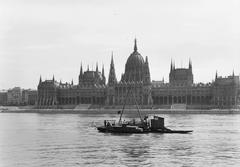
[53,37]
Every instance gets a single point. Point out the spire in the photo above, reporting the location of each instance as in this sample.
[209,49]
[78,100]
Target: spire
[147,78]
[72,82]
[112,76]
[103,75]
[80,77]
[233,73]
[171,65]
[96,67]
[216,76]
[81,70]
[88,68]
[40,80]
[53,78]
[112,59]
[190,64]
[135,45]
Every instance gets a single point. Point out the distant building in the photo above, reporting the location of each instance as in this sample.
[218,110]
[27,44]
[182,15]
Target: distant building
[182,90]
[136,87]
[17,96]
[14,96]
[3,97]
[181,76]
[29,97]
[91,89]
[225,91]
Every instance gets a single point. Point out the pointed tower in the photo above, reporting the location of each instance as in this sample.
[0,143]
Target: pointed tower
[216,76]
[147,78]
[40,80]
[80,77]
[171,68]
[53,78]
[135,45]
[96,67]
[112,76]
[190,65]
[103,75]
[72,82]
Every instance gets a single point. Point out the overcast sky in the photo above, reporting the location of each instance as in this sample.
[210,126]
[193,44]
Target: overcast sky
[46,37]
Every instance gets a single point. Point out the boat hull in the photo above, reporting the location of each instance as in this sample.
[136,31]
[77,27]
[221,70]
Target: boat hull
[119,129]
[171,131]
[129,130]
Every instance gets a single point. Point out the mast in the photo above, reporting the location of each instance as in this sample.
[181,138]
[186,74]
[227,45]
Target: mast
[139,114]
[138,110]
[120,119]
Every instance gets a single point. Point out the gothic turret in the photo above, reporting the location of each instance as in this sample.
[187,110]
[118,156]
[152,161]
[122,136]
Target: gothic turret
[190,64]
[147,79]
[40,80]
[80,77]
[112,76]
[135,45]
[103,75]
[97,67]
[171,68]
[181,76]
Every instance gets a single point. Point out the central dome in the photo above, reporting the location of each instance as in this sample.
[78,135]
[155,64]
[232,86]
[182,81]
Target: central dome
[135,66]
[135,59]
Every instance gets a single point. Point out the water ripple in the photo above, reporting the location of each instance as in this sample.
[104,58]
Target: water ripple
[72,140]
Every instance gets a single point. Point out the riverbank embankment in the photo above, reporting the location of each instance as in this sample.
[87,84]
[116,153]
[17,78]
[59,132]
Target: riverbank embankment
[126,111]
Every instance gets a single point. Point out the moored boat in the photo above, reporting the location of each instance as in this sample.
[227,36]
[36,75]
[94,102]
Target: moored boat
[146,125]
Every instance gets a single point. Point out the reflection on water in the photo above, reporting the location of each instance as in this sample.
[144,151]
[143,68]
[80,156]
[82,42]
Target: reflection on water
[72,140]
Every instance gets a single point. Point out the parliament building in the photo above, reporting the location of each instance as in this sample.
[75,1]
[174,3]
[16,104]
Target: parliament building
[136,87]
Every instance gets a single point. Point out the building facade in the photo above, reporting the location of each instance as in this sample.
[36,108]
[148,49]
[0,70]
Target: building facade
[18,96]
[136,87]
[14,96]
[182,90]
[3,97]
[91,89]
[29,97]
[225,91]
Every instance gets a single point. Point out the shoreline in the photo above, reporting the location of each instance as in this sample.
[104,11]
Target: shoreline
[126,111]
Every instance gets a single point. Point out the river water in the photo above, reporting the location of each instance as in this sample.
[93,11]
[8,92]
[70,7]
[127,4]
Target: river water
[72,140]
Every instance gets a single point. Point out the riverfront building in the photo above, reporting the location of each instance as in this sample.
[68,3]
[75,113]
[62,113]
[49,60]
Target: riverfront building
[18,96]
[136,87]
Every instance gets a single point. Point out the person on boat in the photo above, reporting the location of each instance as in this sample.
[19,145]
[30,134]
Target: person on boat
[134,122]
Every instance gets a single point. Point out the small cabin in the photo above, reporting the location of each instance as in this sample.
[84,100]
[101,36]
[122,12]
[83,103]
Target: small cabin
[157,122]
